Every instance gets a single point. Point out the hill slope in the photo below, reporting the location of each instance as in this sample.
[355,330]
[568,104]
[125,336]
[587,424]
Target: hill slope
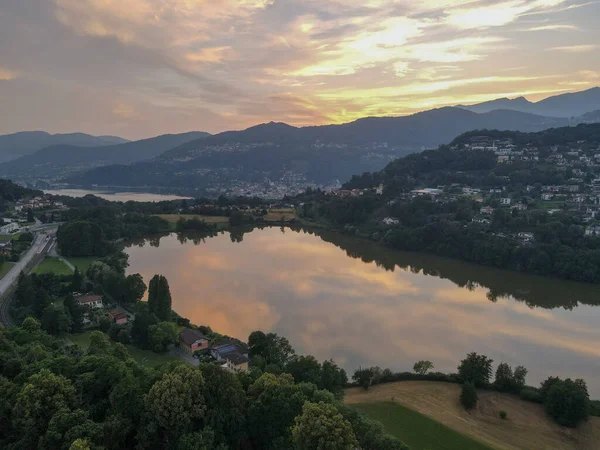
[19,144]
[280,153]
[60,160]
[563,105]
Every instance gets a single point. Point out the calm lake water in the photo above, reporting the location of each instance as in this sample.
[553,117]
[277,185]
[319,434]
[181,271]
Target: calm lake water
[338,297]
[115,196]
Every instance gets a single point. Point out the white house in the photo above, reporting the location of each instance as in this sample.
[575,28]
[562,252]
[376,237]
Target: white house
[93,301]
[547,197]
[505,201]
[390,221]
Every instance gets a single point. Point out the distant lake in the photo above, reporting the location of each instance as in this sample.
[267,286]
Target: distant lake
[115,196]
[339,297]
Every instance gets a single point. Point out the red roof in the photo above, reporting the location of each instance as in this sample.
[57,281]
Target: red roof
[89,299]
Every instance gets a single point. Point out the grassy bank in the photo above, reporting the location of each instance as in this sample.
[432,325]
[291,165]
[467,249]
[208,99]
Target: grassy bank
[53,265]
[5,268]
[419,432]
[83,262]
[527,426]
[144,357]
[10,237]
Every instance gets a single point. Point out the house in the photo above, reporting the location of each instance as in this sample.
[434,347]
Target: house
[232,355]
[9,228]
[526,236]
[592,231]
[481,220]
[5,247]
[93,301]
[520,207]
[379,190]
[547,197]
[486,210]
[505,201]
[390,221]
[192,340]
[118,315]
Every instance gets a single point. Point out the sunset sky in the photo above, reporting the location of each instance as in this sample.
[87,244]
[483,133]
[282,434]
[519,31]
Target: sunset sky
[138,68]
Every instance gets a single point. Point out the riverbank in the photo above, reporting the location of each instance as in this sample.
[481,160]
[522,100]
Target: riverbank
[526,428]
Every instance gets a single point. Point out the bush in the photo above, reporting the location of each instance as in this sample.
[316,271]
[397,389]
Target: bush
[468,396]
[568,402]
[595,408]
[530,394]
[503,414]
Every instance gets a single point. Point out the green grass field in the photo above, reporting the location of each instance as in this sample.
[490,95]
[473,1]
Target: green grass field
[53,265]
[144,357]
[5,268]
[416,430]
[82,263]
[10,237]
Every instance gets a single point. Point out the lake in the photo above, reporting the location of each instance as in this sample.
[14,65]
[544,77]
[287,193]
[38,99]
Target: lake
[115,196]
[340,297]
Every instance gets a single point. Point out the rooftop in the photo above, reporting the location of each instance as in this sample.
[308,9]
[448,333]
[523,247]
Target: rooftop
[189,336]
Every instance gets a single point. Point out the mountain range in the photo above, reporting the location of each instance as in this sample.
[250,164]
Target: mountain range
[14,145]
[563,105]
[276,153]
[57,161]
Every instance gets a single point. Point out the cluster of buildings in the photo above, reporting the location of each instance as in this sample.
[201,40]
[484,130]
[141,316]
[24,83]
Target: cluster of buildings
[232,355]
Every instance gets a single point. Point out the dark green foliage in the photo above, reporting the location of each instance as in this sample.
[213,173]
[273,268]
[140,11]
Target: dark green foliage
[140,328]
[159,297]
[476,369]
[530,394]
[507,381]
[366,377]
[422,367]
[568,402]
[503,414]
[55,320]
[82,238]
[193,224]
[274,349]
[468,396]
[321,426]
[595,408]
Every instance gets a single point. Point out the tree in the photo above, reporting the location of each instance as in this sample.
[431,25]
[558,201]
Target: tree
[274,403]
[422,367]
[99,343]
[321,426]
[134,288]
[568,402]
[225,401]
[305,369]
[333,378]
[76,312]
[476,368]
[504,377]
[519,378]
[30,217]
[79,444]
[175,404]
[82,238]
[468,395]
[366,377]
[40,398]
[273,348]
[140,328]
[162,335]
[159,297]
[55,320]
[76,280]
[32,325]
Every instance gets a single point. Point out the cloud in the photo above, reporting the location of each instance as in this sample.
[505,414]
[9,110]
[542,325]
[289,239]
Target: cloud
[584,48]
[6,74]
[553,28]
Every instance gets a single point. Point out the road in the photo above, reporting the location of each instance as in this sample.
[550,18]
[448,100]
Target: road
[39,248]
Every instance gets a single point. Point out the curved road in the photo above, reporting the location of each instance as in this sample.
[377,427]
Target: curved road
[40,247]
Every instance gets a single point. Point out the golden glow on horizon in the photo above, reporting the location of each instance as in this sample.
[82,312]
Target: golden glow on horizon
[229,64]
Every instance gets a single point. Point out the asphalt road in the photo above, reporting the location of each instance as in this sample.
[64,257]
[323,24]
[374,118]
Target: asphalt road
[41,245]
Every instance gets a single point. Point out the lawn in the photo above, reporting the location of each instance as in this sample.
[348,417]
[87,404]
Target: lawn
[144,357]
[53,265]
[10,237]
[83,262]
[526,428]
[5,268]
[417,431]
[275,215]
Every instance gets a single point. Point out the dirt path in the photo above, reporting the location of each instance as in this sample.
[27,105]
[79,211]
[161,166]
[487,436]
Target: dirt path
[527,427]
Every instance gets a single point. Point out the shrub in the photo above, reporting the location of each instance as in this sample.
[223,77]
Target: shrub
[468,396]
[568,402]
[503,414]
[530,394]
[595,408]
